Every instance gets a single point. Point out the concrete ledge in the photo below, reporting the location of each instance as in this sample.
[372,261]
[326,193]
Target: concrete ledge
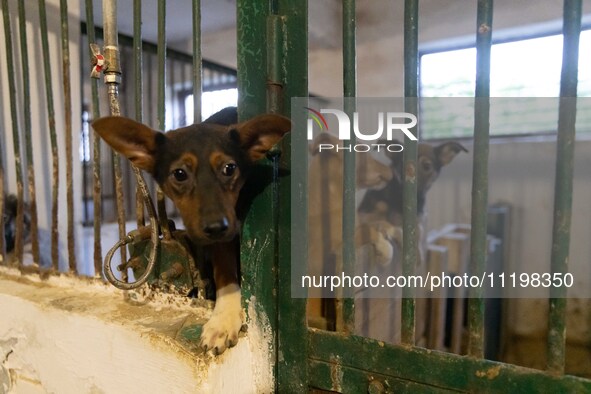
[67,335]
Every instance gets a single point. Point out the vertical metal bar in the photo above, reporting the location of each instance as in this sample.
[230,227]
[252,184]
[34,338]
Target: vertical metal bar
[18,244]
[113,79]
[138,93]
[251,23]
[291,338]
[68,123]
[161,54]
[345,306]
[52,133]
[197,62]
[27,131]
[274,62]
[161,105]
[478,249]
[564,182]
[409,189]
[96,153]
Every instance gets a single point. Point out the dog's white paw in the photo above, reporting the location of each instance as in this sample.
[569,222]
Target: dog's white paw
[221,331]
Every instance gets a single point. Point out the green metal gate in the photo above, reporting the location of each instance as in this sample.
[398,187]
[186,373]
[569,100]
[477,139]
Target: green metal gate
[312,359]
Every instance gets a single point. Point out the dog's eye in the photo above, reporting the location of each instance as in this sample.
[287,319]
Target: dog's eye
[427,166]
[179,174]
[229,169]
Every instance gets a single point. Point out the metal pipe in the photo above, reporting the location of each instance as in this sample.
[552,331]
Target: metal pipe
[345,306]
[19,234]
[478,249]
[52,133]
[113,79]
[409,189]
[563,184]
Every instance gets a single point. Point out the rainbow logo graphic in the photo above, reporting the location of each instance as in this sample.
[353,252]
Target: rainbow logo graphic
[318,118]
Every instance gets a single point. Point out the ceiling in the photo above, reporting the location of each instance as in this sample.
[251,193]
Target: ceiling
[216,15]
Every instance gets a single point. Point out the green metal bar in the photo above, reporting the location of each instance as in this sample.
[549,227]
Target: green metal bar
[274,62]
[52,133]
[345,305]
[478,249]
[257,264]
[434,371]
[28,130]
[409,189]
[197,61]
[292,338]
[96,153]
[18,245]
[252,57]
[68,130]
[563,183]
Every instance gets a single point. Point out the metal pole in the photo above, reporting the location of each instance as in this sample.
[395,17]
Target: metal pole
[197,62]
[52,133]
[138,93]
[27,131]
[68,123]
[345,306]
[478,249]
[563,183]
[19,234]
[409,189]
[96,153]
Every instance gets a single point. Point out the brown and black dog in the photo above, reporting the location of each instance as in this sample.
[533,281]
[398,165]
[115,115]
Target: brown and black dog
[380,229]
[383,207]
[202,169]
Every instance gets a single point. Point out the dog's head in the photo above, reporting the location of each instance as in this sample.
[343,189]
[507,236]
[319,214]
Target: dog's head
[201,168]
[430,160]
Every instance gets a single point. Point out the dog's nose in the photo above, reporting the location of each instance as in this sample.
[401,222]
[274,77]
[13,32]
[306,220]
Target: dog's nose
[216,228]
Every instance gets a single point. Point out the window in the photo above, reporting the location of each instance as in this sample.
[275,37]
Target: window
[211,102]
[525,83]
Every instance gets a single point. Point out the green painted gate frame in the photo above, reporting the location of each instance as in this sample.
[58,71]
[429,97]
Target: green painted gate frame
[272,68]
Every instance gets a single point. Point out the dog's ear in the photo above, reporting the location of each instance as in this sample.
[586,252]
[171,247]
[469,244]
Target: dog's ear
[259,134]
[132,139]
[447,151]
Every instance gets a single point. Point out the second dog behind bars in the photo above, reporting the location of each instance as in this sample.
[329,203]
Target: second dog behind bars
[202,169]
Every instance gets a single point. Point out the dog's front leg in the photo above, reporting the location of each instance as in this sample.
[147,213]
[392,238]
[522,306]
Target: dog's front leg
[221,331]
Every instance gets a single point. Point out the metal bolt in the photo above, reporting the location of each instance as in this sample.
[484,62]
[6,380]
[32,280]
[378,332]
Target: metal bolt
[112,78]
[173,272]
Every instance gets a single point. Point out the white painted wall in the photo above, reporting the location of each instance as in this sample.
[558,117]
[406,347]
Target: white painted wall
[38,110]
[70,336]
